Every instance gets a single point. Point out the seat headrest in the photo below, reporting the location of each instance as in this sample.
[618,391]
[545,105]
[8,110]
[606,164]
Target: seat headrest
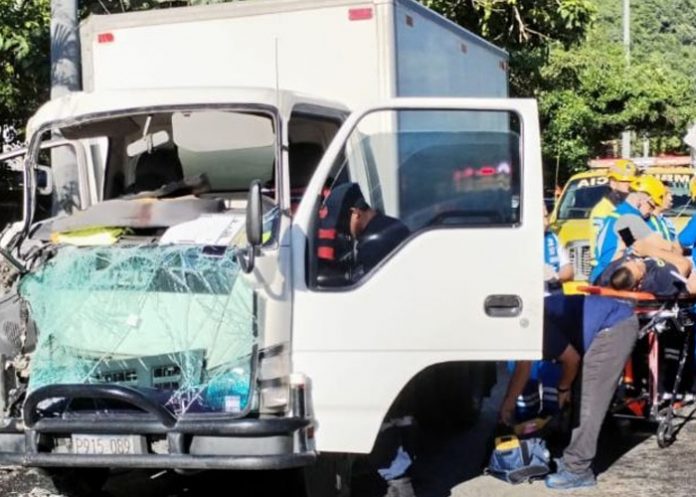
[304,158]
[156,169]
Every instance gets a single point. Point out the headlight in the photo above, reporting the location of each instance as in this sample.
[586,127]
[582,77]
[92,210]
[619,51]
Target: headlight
[273,379]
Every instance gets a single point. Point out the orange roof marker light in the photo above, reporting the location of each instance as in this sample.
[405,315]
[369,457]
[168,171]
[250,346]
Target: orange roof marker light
[645,162]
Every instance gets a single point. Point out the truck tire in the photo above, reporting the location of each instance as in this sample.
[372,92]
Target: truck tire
[330,476]
[78,482]
[449,396]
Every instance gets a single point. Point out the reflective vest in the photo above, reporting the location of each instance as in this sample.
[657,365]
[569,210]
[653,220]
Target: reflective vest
[551,248]
[598,215]
[663,226]
[608,241]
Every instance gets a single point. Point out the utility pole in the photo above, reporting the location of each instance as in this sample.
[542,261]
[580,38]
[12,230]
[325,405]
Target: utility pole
[65,78]
[626,135]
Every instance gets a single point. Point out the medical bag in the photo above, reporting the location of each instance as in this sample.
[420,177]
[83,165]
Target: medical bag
[516,461]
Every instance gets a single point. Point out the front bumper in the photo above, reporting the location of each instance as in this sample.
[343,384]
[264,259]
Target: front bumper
[201,442]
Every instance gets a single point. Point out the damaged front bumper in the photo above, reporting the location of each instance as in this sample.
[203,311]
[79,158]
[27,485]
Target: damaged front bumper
[166,442]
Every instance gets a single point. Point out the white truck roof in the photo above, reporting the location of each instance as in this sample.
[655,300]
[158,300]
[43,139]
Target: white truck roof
[82,104]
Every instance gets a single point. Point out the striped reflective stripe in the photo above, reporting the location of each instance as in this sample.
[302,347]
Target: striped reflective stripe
[326,253]
[325,234]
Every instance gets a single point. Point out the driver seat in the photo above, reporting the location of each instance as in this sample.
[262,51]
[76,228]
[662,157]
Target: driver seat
[155,169]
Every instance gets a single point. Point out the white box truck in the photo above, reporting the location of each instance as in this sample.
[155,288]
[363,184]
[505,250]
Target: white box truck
[199,294]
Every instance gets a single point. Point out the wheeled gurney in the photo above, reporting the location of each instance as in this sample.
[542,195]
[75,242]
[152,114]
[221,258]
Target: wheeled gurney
[640,393]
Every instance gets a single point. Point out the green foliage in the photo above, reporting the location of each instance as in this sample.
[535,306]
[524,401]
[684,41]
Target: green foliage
[526,28]
[520,24]
[24,68]
[591,92]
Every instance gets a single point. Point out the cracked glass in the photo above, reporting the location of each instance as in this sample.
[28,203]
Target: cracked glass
[175,322]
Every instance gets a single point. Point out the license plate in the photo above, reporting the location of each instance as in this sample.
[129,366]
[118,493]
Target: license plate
[108,444]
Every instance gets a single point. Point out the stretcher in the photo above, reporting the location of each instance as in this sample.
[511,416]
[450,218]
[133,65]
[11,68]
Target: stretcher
[642,388]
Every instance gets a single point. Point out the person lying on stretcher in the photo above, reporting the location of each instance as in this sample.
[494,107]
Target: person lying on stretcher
[649,274]
[646,262]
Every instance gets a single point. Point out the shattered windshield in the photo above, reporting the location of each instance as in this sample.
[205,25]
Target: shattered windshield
[175,322]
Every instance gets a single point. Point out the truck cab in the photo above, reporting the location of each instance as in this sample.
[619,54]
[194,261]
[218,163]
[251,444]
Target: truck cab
[169,311]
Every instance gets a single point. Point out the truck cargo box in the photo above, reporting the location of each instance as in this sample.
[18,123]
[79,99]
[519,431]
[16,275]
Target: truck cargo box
[355,52]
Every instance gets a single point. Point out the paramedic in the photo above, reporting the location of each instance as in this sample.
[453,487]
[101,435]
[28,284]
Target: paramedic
[603,331]
[557,266]
[626,228]
[376,235]
[659,222]
[532,401]
[687,236]
[620,175]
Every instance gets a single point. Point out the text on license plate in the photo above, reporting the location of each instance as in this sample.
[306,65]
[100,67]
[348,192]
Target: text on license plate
[108,444]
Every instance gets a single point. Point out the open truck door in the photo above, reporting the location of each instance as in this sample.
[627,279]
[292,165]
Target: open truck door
[466,284]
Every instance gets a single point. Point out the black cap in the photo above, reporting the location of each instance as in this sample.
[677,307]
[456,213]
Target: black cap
[349,195]
[341,199]
[354,197]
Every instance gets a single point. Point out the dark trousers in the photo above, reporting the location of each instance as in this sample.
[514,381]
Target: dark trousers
[602,365]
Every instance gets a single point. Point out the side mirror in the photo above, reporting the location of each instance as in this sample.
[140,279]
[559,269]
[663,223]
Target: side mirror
[44,180]
[254,227]
[254,215]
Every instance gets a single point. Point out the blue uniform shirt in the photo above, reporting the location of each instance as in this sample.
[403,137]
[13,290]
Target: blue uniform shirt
[608,240]
[577,319]
[552,255]
[687,237]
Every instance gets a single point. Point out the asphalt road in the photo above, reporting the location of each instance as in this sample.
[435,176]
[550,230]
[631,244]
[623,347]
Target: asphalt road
[629,462]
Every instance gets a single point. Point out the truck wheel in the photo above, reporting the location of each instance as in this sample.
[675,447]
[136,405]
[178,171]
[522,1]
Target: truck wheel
[330,476]
[449,396]
[78,482]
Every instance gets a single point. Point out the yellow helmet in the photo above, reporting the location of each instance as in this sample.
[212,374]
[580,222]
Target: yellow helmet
[622,170]
[651,185]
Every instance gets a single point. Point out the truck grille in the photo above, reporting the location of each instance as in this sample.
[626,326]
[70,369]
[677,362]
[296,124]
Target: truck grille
[580,259]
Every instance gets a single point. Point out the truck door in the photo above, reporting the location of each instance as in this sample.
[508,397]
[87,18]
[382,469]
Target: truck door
[455,189]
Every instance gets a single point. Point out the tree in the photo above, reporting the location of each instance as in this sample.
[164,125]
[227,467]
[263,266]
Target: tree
[24,68]
[590,93]
[526,28]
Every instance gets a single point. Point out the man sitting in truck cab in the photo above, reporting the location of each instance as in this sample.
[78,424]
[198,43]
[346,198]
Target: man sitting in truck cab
[376,235]
[627,228]
[620,175]
[353,237]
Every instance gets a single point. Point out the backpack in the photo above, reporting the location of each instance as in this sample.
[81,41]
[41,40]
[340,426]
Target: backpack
[516,461]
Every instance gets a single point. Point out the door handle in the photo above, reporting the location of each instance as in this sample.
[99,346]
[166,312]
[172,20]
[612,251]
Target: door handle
[503,306]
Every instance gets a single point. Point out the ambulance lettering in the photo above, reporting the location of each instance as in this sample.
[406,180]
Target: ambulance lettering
[587,182]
